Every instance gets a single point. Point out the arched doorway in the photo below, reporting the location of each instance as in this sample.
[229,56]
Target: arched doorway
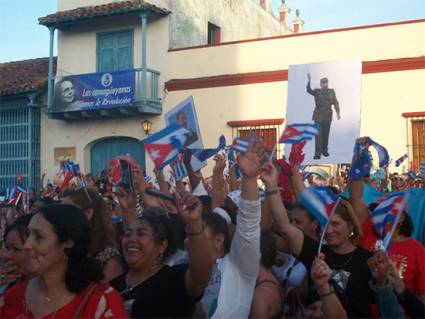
[103,151]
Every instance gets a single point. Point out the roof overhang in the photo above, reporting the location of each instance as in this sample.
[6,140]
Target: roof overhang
[64,18]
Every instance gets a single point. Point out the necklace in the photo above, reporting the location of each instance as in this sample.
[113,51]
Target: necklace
[344,264]
[129,288]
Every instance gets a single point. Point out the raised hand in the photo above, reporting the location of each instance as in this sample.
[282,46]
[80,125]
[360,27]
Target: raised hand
[269,175]
[379,267]
[190,209]
[320,272]
[220,163]
[250,162]
[308,76]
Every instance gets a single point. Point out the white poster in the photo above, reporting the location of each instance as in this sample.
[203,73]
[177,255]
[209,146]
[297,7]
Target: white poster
[328,94]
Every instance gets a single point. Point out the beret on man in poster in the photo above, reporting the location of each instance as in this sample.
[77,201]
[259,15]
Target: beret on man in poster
[115,168]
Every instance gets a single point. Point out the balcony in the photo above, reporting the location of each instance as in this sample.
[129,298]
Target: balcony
[145,97]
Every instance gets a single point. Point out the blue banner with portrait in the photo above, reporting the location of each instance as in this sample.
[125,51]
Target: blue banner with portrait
[94,91]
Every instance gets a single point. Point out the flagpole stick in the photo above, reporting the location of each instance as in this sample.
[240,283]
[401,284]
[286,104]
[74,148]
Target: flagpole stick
[327,224]
[397,219]
[273,152]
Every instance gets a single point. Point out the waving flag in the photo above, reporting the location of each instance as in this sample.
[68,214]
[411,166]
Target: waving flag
[232,162]
[362,162]
[320,202]
[204,154]
[401,160]
[296,133]
[240,145]
[74,169]
[422,169]
[386,215]
[164,146]
[383,156]
[180,170]
[13,195]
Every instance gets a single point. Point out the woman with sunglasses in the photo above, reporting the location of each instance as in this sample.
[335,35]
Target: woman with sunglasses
[350,273]
[66,282]
[150,288]
[104,246]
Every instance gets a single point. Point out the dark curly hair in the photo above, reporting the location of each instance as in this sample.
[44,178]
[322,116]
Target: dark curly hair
[70,223]
[163,228]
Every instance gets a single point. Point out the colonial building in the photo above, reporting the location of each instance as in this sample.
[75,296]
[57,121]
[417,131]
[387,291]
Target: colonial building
[232,57]
[133,38]
[23,87]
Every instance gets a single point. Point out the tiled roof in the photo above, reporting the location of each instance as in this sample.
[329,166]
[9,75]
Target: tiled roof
[100,10]
[24,76]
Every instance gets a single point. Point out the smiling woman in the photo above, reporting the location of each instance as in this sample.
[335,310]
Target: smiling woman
[67,282]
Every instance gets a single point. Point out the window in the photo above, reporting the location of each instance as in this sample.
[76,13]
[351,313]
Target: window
[418,142]
[214,33]
[268,130]
[114,51]
[416,133]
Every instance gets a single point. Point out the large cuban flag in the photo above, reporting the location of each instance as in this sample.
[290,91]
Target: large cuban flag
[164,146]
[296,133]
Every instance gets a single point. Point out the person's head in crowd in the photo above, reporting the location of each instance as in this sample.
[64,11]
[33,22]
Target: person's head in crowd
[41,202]
[206,202]
[319,178]
[229,216]
[217,234]
[232,199]
[14,238]
[59,242]
[268,249]
[149,240]
[303,220]
[49,188]
[313,306]
[343,227]
[324,83]
[93,205]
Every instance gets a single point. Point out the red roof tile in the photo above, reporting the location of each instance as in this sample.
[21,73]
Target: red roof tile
[24,76]
[99,11]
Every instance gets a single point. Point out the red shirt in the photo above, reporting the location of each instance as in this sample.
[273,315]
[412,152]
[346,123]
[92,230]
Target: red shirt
[102,304]
[408,256]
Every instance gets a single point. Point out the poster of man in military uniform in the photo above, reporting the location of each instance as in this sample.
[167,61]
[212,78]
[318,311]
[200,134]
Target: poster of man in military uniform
[324,99]
[327,94]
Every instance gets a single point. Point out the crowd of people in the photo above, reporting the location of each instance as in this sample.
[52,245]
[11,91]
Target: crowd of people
[226,246]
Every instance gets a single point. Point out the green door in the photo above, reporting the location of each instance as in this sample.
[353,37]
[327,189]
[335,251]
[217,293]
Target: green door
[103,151]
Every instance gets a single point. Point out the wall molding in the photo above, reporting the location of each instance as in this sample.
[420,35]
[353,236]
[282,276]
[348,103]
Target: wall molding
[368,67]
[413,114]
[260,122]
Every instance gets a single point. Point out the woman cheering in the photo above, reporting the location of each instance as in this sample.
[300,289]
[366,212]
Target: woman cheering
[67,282]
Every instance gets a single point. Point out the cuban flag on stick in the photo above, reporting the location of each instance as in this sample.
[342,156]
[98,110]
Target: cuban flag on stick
[164,146]
[240,145]
[180,170]
[321,203]
[296,133]
[386,215]
[401,160]
[232,162]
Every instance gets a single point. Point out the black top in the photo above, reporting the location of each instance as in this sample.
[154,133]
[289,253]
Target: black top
[163,295]
[350,276]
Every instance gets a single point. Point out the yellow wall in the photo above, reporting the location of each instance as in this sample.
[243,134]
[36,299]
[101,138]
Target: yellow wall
[385,95]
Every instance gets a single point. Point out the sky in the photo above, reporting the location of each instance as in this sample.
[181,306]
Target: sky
[23,38]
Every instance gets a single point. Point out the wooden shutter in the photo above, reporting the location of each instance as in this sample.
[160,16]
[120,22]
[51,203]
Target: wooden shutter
[115,51]
[418,142]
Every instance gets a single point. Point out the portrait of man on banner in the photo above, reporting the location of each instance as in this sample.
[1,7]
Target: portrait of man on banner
[327,94]
[184,114]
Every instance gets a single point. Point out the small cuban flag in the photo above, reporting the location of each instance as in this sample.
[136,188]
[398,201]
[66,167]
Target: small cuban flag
[180,170]
[386,215]
[320,202]
[401,160]
[240,145]
[296,133]
[164,146]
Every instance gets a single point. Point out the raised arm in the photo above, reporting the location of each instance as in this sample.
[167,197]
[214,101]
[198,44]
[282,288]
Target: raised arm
[309,90]
[194,180]
[292,234]
[163,185]
[355,189]
[321,274]
[200,259]
[218,193]
[297,179]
